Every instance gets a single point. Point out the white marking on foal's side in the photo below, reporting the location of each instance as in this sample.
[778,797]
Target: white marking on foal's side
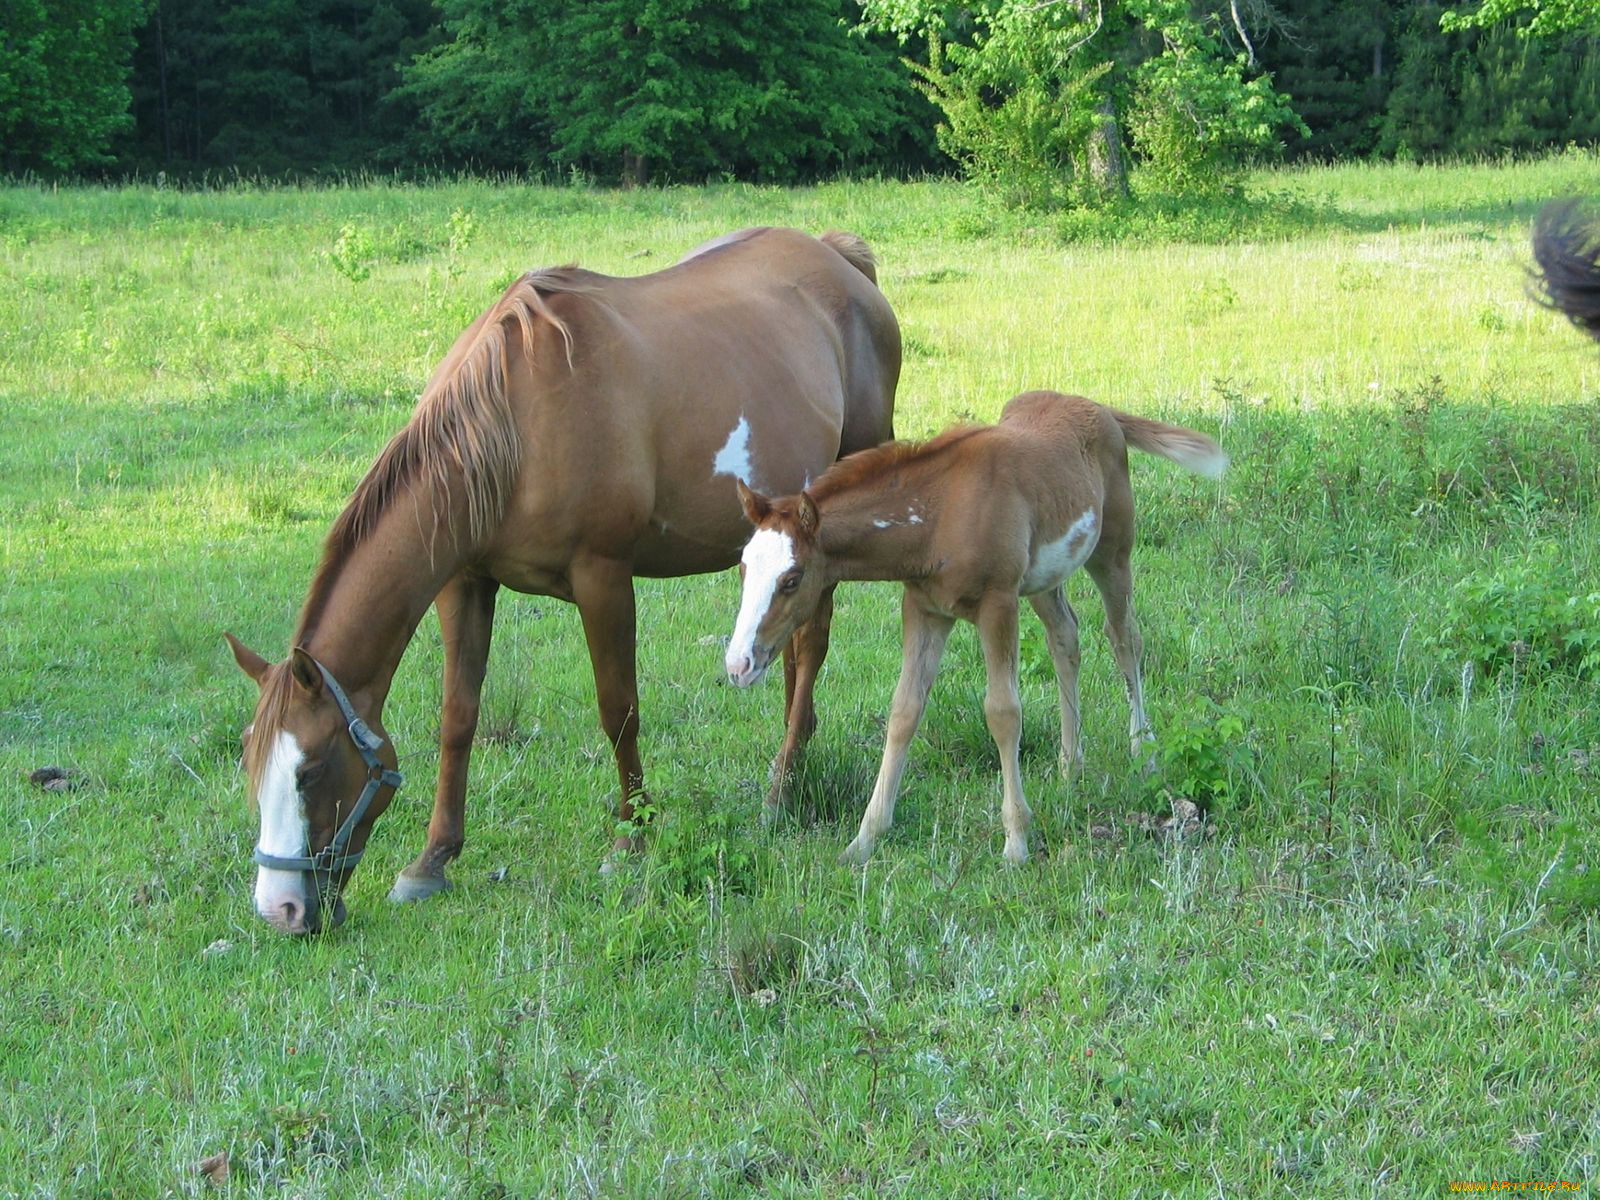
[1054,561]
[767,556]
[734,457]
[283,824]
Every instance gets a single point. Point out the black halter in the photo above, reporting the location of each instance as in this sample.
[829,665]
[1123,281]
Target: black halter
[333,857]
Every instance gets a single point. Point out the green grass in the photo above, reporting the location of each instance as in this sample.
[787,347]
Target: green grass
[1377,975]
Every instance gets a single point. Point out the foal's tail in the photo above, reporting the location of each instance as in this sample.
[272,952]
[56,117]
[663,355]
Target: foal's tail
[1566,244]
[854,250]
[1183,446]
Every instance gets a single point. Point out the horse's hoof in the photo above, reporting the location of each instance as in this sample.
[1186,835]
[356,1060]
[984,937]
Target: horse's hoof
[1016,853]
[856,854]
[623,850]
[772,815]
[417,887]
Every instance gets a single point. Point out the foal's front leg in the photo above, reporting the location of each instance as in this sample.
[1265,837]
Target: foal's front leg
[1002,708]
[466,617]
[923,637]
[802,661]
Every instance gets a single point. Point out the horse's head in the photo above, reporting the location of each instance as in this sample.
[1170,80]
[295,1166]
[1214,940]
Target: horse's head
[782,569]
[319,774]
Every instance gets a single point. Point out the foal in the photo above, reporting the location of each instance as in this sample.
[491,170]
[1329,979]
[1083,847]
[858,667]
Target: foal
[969,522]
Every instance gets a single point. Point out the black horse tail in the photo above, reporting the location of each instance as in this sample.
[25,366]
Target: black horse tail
[1566,246]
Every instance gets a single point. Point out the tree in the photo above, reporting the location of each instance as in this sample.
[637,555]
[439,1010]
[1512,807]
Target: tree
[1548,18]
[64,68]
[681,89]
[1039,95]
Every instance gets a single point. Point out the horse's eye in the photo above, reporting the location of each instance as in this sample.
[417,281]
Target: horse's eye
[790,583]
[308,775]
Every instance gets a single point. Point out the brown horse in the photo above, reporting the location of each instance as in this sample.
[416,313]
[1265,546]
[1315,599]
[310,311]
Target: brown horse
[969,522]
[582,431]
[1566,246]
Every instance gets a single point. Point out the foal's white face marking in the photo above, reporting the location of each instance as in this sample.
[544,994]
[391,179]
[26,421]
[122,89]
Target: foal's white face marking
[1054,561]
[283,826]
[767,556]
[734,457]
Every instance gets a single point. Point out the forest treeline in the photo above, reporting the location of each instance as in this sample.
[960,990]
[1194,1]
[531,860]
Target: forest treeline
[770,90]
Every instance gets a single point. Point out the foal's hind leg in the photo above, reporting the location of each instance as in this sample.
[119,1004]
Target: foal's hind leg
[1002,708]
[1061,636]
[1113,575]
[603,590]
[924,635]
[802,661]
[466,617]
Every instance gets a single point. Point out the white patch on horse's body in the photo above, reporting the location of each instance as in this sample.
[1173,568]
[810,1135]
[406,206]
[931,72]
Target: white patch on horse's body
[734,457]
[766,557]
[915,518]
[283,825]
[882,524]
[1054,561]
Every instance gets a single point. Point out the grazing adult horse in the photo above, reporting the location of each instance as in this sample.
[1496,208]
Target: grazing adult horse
[582,431]
[969,522]
[1566,246]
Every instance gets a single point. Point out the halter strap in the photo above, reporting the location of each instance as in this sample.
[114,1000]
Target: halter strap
[334,856]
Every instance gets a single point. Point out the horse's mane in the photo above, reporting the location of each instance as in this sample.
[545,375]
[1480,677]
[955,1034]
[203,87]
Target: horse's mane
[462,435]
[866,466]
[1566,245]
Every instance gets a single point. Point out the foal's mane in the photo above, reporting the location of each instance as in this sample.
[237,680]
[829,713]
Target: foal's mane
[867,466]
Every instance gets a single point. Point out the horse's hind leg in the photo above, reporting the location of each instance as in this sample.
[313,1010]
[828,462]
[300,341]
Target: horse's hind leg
[1002,709]
[603,591]
[924,635]
[466,618]
[802,661]
[1061,636]
[1113,575]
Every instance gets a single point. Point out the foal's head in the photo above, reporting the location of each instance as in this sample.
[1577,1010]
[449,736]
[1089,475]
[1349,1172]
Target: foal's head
[782,569]
[310,765]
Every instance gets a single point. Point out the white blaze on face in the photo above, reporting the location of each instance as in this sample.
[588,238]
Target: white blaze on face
[1054,561]
[283,826]
[767,556]
[734,457]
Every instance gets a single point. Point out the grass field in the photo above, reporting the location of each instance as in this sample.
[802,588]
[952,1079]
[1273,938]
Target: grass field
[1372,647]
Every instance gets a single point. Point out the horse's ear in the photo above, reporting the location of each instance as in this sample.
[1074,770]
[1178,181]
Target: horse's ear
[755,505]
[251,663]
[306,672]
[807,515]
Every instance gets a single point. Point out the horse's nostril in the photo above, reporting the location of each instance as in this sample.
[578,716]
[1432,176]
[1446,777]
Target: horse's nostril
[294,915]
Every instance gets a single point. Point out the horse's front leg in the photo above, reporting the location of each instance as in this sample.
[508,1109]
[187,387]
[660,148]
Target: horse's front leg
[923,637]
[802,662]
[466,618]
[603,590]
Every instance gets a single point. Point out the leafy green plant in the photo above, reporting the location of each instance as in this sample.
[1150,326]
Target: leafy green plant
[1522,616]
[1201,754]
[353,253]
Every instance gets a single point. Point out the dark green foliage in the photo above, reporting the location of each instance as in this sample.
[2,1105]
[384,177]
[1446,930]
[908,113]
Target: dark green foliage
[674,89]
[63,81]
[274,86]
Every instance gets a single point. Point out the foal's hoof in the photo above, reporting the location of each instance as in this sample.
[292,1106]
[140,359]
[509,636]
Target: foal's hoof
[409,887]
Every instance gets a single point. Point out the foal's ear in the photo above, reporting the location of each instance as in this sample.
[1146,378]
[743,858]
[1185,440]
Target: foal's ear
[807,515]
[251,663]
[755,505]
[306,672]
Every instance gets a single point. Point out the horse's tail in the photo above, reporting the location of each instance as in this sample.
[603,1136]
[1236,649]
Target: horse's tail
[855,250]
[1183,446]
[1566,245]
